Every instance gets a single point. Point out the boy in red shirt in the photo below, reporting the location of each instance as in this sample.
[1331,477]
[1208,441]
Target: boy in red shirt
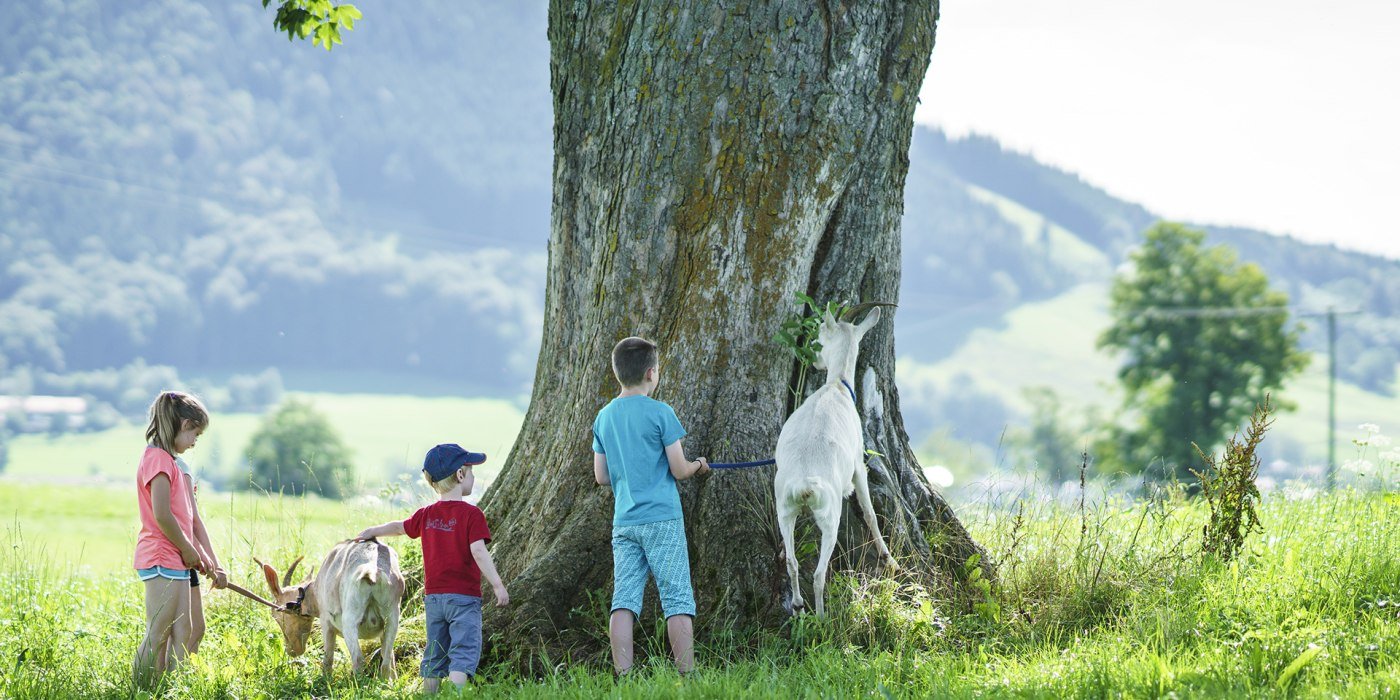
[455,558]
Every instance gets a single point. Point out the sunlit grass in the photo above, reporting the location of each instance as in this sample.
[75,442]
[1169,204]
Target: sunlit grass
[1115,600]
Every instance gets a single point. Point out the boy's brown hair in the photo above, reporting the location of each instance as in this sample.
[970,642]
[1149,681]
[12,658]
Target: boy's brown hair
[631,358]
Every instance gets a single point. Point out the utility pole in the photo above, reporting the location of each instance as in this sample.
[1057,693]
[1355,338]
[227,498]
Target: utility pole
[1331,398]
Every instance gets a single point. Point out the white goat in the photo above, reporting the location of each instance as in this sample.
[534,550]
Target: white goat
[821,453]
[357,593]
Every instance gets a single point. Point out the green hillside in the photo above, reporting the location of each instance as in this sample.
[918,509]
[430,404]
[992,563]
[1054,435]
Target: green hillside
[387,436]
[1052,343]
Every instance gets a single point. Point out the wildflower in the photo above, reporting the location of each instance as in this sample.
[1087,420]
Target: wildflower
[1371,428]
[1390,456]
[1360,466]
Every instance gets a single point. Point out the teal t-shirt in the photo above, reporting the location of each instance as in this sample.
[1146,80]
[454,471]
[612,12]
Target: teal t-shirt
[633,432]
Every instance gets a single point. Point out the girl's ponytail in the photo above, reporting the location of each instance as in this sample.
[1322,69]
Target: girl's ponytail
[168,413]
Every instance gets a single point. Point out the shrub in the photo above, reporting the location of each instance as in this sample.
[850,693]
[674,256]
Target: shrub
[296,451]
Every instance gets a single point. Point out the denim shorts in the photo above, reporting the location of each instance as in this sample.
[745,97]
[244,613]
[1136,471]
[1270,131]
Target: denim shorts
[659,549]
[454,634]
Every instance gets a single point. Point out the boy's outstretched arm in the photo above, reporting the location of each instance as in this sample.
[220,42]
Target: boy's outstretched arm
[393,527]
[600,469]
[681,468]
[488,571]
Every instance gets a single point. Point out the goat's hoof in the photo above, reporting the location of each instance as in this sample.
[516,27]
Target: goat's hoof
[891,564]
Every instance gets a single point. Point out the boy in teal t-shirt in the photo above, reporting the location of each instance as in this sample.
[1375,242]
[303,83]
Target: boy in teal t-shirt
[637,450]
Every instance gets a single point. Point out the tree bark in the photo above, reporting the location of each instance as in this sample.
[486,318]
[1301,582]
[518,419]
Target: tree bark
[711,159]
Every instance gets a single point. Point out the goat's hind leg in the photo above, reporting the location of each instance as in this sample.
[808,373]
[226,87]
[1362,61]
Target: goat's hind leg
[787,523]
[388,668]
[862,484]
[828,516]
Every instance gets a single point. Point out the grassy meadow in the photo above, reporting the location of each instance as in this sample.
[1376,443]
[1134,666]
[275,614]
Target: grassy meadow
[1111,601]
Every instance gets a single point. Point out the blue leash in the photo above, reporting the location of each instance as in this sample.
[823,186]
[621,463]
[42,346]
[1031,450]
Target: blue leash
[766,462]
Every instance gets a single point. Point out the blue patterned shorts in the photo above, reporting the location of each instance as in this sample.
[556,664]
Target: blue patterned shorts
[659,548]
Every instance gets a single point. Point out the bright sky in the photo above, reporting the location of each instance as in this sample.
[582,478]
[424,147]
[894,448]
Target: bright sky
[1282,115]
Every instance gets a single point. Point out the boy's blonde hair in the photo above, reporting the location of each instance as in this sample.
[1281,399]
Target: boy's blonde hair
[168,413]
[446,483]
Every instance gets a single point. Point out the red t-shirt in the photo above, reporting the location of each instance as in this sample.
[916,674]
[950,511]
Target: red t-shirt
[448,529]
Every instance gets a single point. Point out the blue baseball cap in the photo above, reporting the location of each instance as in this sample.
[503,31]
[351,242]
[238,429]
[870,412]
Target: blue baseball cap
[443,460]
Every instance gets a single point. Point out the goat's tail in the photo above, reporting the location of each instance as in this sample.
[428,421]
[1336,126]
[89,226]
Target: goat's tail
[367,572]
[808,493]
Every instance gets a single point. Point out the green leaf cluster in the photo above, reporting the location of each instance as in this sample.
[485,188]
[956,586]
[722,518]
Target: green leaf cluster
[319,19]
[798,333]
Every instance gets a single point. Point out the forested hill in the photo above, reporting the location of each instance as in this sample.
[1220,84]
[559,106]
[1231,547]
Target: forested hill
[180,184]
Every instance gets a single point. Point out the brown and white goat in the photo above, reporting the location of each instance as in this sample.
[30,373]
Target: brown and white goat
[356,594]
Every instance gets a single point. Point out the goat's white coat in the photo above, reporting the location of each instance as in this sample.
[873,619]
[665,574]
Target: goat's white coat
[356,594]
[821,456]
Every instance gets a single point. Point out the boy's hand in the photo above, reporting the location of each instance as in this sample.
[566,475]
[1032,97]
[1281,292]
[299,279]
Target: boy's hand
[502,597]
[704,465]
[220,578]
[366,534]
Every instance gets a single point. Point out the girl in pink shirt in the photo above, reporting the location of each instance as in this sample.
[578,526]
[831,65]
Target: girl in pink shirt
[173,544]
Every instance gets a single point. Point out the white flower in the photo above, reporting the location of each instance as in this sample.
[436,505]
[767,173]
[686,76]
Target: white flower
[1379,441]
[1391,456]
[1369,428]
[1361,466]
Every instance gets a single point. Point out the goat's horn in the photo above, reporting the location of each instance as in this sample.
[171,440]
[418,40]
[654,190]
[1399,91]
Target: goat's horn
[858,309]
[287,577]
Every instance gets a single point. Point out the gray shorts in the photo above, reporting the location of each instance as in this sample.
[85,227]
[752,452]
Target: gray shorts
[454,635]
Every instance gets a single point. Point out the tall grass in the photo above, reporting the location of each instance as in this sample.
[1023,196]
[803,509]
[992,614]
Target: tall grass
[1114,599]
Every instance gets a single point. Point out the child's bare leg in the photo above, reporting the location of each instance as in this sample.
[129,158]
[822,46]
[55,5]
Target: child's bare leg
[680,629]
[167,609]
[458,678]
[620,634]
[196,620]
[431,685]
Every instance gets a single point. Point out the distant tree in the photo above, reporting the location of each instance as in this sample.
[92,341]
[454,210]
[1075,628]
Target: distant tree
[296,451]
[1204,340]
[1049,443]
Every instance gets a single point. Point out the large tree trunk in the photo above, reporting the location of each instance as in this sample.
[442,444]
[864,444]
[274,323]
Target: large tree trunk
[711,159]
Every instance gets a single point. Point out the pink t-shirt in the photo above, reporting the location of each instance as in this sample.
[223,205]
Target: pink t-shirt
[153,548]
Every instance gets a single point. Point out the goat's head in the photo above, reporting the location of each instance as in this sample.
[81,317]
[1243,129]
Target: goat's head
[296,628]
[840,338]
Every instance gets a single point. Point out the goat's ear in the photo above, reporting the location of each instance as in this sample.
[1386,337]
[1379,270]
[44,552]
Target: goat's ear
[828,319]
[270,574]
[870,320]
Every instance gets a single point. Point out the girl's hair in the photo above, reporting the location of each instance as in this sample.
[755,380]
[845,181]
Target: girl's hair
[168,413]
